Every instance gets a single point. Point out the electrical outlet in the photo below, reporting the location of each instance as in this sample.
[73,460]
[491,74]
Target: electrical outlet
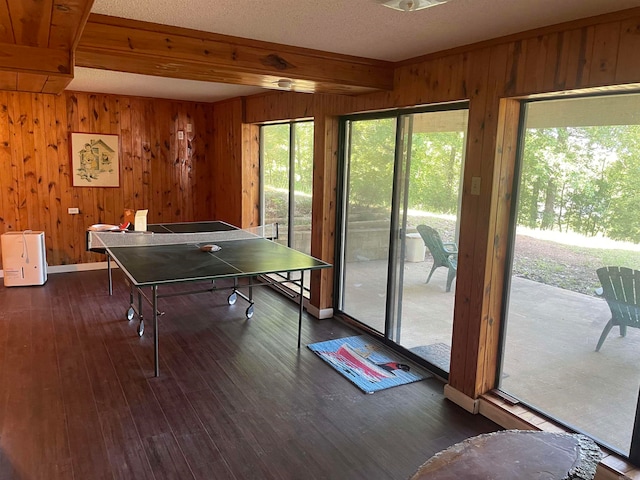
[73,211]
[180,135]
[475,185]
[189,128]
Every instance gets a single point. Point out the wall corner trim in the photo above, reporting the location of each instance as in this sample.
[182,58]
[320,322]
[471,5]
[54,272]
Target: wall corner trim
[460,399]
[319,313]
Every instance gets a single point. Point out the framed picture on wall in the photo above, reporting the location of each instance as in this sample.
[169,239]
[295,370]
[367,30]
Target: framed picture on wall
[95,160]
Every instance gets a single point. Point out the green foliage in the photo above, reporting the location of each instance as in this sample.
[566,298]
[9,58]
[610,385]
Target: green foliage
[371,162]
[583,179]
[276,208]
[275,157]
[304,157]
[276,150]
[622,221]
[436,162]
[276,144]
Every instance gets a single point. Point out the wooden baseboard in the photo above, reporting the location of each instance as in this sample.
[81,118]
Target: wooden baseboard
[78,267]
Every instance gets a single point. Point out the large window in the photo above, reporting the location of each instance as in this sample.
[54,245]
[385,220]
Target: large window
[578,204]
[287,181]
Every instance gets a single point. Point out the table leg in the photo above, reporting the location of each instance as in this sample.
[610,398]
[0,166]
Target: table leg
[140,315]
[301,306]
[155,331]
[237,293]
[249,311]
[109,274]
[131,295]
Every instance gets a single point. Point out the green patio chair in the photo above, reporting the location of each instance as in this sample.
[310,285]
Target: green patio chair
[444,254]
[621,290]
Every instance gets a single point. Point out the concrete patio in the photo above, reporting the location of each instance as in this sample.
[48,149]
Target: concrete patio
[549,359]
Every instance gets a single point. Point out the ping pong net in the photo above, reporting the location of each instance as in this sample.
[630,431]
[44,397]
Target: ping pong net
[139,239]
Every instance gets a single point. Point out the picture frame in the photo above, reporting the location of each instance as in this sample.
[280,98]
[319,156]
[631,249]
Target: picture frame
[95,160]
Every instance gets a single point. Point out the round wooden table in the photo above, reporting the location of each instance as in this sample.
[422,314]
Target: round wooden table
[515,454]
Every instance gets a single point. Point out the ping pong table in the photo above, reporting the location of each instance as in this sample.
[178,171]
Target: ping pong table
[200,252]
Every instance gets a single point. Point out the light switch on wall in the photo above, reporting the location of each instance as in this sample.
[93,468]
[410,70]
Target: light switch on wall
[475,185]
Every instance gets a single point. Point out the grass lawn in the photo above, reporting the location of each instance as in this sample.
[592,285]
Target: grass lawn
[566,261]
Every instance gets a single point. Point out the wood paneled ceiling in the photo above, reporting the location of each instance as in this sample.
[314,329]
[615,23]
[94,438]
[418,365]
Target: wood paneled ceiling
[42,40]
[37,41]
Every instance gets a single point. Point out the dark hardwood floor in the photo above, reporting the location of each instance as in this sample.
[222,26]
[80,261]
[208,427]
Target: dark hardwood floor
[235,398]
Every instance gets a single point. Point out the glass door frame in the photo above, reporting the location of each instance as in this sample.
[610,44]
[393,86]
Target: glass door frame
[291,185]
[397,245]
[400,184]
[291,174]
[634,451]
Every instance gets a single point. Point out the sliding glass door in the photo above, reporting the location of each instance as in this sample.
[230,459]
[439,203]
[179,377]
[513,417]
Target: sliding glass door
[367,219]
[401,177]
[434,151]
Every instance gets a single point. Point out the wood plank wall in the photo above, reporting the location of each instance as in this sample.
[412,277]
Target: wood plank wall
[235,166]
[592,54]
[156,171]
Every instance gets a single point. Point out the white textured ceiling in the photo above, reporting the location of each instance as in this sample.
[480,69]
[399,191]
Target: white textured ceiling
[353,27]
[118,83]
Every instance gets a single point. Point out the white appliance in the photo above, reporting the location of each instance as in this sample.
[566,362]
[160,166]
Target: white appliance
[24,258]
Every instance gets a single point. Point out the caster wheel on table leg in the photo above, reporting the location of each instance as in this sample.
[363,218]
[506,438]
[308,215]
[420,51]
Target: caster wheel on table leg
[130,313]
[141,328]
[249,311]
[233,298]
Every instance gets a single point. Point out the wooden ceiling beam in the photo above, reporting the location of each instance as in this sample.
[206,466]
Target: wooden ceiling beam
[49,61]
[6,30]
[131,46]
[31,21]
[8,81]
[34,69]
[37,40]
[33,82]
[67,23]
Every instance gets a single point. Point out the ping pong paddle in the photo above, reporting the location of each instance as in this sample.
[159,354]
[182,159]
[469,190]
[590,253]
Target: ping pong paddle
[210,248]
